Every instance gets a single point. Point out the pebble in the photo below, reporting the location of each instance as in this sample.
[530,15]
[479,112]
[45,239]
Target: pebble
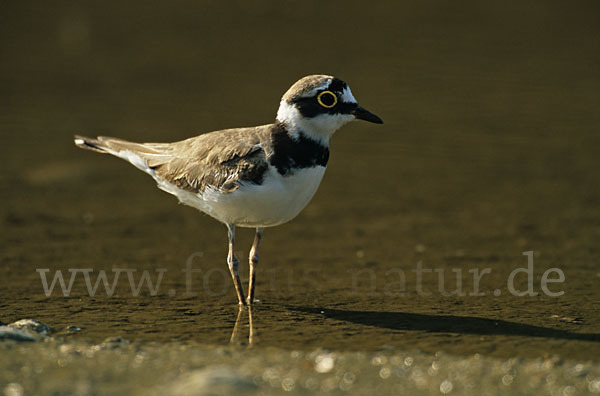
[114,343]
[9,333]
[32,326]
[73,329]
[223,380]
[23,330]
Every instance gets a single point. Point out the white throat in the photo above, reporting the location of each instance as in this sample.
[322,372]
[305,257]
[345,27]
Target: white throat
[319,128]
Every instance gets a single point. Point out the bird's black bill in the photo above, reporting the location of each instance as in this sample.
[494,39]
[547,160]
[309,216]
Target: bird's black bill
[362,114]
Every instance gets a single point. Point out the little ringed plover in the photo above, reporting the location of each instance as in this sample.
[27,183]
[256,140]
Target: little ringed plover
[250,177]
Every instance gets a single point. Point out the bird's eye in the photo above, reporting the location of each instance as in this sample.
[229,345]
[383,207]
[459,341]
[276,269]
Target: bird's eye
[327,99]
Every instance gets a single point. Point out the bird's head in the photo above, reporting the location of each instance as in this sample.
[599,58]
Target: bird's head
[318,105]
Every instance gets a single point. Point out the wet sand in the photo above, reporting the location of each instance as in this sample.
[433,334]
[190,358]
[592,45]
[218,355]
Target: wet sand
[489,149]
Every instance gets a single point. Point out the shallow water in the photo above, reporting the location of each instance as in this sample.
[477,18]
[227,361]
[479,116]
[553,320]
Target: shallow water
[489,149]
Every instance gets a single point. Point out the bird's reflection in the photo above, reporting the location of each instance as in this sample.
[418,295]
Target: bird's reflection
[238,323]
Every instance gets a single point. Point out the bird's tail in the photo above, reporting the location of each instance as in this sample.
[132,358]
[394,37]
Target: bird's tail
[143,156]
[92,144]
[110,145]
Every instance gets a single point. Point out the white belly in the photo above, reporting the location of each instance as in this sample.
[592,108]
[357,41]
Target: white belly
[277,200]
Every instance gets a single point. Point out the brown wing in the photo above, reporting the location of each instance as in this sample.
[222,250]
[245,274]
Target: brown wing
[220,160]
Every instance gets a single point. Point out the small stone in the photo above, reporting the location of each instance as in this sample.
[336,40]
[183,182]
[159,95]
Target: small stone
[446,386]
[9,333]
[13,389]
[222,380]
[114,343]
[324,363]
[31,325]
[73,329]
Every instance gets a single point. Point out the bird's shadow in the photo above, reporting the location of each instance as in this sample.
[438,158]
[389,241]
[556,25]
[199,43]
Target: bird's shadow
[402,321]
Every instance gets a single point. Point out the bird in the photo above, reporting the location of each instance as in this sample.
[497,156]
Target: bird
[253,177]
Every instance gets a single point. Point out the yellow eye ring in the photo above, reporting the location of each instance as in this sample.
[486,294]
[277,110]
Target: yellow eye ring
[320,100]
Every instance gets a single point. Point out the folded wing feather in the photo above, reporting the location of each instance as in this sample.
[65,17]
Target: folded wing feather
[221,160]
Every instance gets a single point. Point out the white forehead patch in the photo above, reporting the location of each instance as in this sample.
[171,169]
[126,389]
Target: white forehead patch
[347,96]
